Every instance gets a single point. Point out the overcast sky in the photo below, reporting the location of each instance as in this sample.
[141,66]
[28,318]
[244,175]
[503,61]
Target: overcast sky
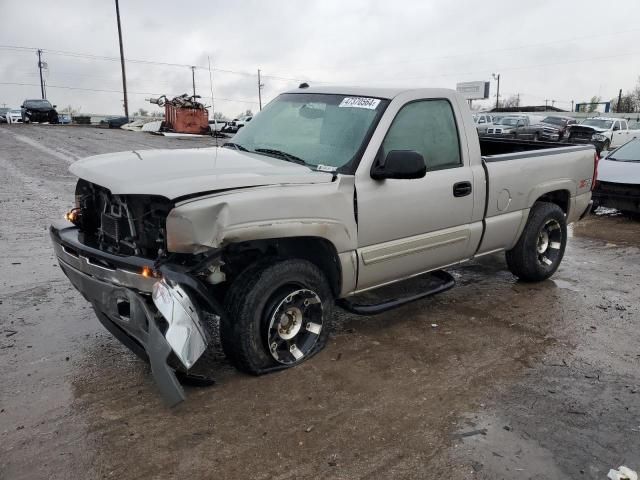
[557,50]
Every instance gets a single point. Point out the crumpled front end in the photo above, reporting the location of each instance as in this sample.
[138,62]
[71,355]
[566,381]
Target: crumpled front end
[156,315]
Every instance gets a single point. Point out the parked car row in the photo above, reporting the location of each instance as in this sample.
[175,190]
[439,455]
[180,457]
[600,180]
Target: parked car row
[526,126]
[31,110]
[604,133]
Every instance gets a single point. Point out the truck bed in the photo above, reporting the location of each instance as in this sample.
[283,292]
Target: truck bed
[499,146]
[519,172]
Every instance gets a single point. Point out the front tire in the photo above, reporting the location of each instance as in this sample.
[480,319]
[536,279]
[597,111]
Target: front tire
[540,249]
[278,313]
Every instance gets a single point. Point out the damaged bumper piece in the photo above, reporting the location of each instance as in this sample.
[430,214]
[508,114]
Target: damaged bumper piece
[157,318]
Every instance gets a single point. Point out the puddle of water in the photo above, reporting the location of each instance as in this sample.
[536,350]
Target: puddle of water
[564,284]
[612,228]
[498,451]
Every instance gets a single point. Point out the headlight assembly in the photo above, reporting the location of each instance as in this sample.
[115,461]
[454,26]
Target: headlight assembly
[598,138]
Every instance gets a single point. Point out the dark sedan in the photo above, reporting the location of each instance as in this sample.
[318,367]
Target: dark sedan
[38,110]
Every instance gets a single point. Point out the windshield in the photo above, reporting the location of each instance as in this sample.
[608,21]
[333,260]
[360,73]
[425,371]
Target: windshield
[554,120]
[508,121]
[37,103]
[592,122]
[327,132]
[629,152]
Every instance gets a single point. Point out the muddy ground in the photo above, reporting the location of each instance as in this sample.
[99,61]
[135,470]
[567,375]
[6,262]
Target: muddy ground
[493,379]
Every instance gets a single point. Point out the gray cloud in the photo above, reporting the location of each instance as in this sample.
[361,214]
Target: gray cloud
[544,50]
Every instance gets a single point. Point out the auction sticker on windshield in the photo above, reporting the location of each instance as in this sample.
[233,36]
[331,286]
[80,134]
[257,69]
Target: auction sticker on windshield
[360,102]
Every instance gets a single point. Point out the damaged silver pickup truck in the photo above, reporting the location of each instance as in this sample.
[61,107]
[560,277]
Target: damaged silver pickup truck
[327,193]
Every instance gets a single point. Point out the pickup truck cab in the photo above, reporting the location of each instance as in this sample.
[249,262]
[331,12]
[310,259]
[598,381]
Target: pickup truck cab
[482,121]
[328,193]
[604,133]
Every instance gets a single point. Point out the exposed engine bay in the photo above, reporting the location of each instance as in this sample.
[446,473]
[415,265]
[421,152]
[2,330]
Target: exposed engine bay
[122,224]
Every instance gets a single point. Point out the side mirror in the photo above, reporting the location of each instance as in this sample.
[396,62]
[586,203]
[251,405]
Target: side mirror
[616,128]
[55,106]
[399,164]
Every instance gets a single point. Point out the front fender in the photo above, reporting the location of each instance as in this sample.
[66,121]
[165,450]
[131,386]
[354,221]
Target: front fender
[279,211]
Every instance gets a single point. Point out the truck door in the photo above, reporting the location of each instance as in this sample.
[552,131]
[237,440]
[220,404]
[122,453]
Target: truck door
[619,135]
[406,227]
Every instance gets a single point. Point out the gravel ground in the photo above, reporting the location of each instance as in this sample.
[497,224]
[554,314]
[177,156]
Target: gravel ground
[513,381]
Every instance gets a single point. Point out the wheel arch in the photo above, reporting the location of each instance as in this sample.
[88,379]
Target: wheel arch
[562,198]
[317,250]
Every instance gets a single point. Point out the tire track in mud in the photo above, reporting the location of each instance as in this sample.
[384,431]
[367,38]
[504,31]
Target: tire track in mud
[43,148]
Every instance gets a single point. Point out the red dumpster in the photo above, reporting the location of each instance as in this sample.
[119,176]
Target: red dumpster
[186,120]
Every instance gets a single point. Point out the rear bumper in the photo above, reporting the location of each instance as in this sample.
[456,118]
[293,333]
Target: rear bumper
[156,318]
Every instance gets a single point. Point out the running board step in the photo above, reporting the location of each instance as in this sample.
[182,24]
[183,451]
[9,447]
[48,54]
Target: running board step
[443,281]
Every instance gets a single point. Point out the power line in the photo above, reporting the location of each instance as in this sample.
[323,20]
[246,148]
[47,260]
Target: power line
[152,62]
[120,91]
[524,67]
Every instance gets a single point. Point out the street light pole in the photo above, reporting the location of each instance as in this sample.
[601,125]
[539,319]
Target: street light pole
[260,85]
[496,76]
[193,79]
[124,75]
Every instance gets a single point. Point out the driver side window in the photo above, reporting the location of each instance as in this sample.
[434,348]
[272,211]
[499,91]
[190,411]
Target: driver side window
[429,128]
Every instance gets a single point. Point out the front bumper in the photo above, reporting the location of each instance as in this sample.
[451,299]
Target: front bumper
[159,319]
[628,201]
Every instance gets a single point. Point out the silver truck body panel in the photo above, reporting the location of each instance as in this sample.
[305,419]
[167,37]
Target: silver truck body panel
[323,210]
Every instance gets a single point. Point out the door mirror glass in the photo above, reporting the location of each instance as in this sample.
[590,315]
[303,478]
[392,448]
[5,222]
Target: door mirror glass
[399,164]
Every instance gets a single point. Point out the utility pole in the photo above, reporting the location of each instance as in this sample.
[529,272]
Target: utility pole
[619,100]
[124,75]
[260,85]
[572,105]
[546,104]
[41,79]
[193,79]
[496,76]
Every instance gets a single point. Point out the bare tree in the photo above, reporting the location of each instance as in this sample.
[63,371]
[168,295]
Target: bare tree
[629,102]
[591,106]
[70,110]
[512,101]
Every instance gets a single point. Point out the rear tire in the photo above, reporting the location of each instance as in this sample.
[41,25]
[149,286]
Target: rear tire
[540,249]
[278,313]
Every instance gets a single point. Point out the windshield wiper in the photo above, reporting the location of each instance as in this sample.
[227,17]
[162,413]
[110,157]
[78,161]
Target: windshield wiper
[237,146]
[283,155]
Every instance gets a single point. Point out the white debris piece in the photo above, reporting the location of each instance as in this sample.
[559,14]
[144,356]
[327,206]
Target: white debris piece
[152,126]
[623,473]
[434,325]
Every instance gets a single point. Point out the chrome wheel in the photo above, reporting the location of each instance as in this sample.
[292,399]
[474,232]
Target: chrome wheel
[295,326]
[549,243]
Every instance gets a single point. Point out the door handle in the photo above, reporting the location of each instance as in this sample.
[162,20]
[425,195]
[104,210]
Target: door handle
[461,189]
